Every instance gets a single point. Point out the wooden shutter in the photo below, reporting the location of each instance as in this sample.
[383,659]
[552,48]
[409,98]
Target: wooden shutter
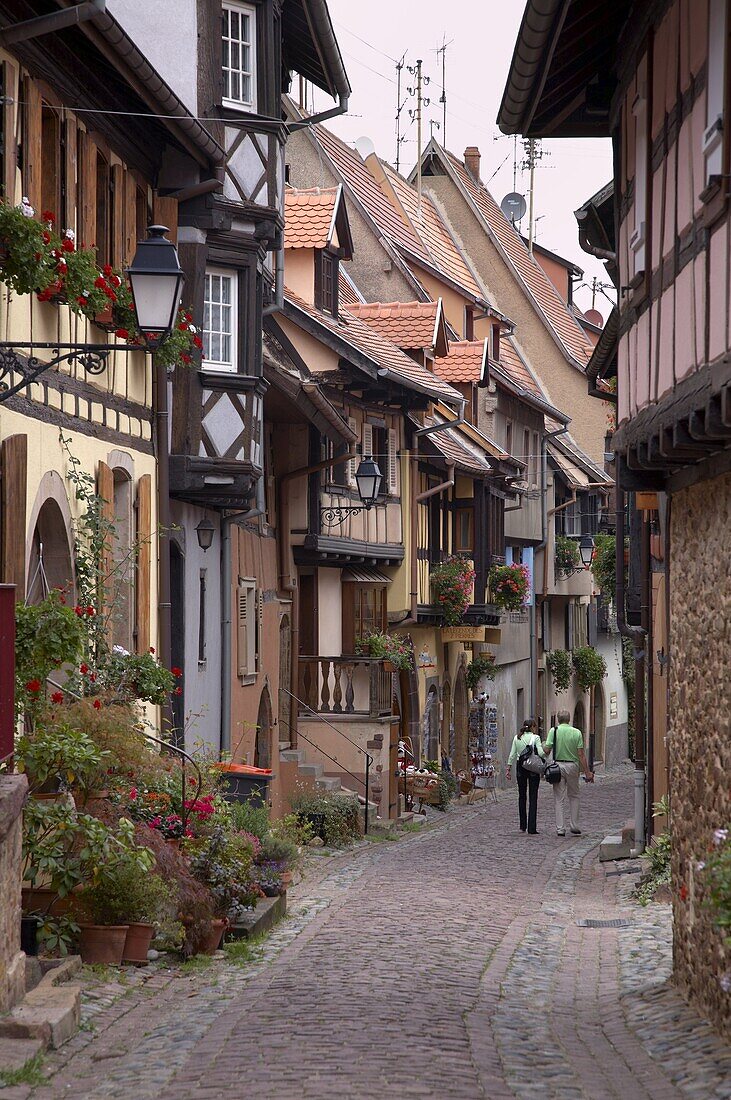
[247,627]
[86,230]
[144,557]
[117,215]
[392,472]
[105,489]
[367,440]
[351,464]
[165,212]
[14,458]
[130,216]
[10,122]
[68,215]
[32,144]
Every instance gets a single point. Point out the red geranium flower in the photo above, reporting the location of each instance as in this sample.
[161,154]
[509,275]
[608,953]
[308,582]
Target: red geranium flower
[48,216]
[152,649]
[81,300]
[83,668]
[122,333]
[176,671]
[107,270]
[683,892]
[57,697]
[33,685]
[91,610]
[133,793]
[67,244]
[178,691]
[97,704]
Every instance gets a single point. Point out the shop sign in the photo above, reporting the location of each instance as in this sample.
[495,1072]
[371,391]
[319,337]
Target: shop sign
[463,633]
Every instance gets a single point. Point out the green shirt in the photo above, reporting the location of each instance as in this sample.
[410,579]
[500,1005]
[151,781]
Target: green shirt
[570,740]
[522,741]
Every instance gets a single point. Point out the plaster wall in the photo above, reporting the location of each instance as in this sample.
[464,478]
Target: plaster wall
[330,612]
[299,272]
[699,749]
[615,745]
[565,385]
[175,53]
[201,678]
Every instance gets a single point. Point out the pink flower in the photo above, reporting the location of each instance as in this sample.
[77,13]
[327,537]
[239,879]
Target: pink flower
[133,794]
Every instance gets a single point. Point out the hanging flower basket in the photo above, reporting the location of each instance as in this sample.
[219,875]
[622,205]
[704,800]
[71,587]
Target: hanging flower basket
[452,588]
[509,585]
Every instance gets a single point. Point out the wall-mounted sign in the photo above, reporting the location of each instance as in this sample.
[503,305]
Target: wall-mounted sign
[493,635]
[613,706]
[463,633]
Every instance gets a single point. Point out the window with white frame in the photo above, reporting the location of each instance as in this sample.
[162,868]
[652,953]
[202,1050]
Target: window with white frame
[219,320]
[238,41]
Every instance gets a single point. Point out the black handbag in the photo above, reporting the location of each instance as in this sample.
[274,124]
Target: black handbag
[552,772]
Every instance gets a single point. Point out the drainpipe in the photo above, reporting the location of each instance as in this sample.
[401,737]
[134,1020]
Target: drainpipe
[638,636]
[164,607]
[322,116]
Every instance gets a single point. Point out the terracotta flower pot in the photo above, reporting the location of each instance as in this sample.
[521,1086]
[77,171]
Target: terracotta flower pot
[40,899]
[173,842]
[286,879]
[105,320]
[213,941]
[137,943]
[103,943]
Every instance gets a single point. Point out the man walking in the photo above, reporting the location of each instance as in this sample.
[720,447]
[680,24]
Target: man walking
[568,752]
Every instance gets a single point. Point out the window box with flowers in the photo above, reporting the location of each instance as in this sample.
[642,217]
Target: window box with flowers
[388,648]
[451,584]
[567,557]
[509,586]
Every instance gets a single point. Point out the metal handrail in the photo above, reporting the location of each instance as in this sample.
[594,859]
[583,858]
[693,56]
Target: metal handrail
[369,758]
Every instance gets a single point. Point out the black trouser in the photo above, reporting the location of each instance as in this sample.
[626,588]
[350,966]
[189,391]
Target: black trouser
[527,783]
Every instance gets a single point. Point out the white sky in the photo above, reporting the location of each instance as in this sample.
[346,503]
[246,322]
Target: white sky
[374,34]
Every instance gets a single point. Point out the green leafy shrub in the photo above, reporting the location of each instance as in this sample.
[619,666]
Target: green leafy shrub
[223,862]
[249,817]
[558,663]
[477,668]
[604,564]
[387,647]
[447,788]
[334,817]
[57,751]
[278,849]
[589,666]
[122,895]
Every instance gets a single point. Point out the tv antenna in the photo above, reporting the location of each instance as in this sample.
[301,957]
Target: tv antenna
[417,113]
[399,108]
[443,97]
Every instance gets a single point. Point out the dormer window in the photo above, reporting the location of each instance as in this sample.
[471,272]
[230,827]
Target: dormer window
[327,274]
[495,350]
[238,40]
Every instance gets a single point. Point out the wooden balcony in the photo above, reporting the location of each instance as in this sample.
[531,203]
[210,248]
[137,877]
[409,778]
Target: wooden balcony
[345,685]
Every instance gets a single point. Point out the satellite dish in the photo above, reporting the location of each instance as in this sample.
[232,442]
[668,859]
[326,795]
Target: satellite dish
[513,206]
[365,147]
[594,317]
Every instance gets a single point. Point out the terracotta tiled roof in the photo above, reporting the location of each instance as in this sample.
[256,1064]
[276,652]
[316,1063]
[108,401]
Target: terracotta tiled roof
[308,217]
[513,365]
[408,324]
[539,287]
[355,174]
[382,352]
[348,292]
[436,238]
[465,361]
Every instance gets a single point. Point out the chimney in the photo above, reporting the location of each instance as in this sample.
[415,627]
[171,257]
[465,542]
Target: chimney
[472,161]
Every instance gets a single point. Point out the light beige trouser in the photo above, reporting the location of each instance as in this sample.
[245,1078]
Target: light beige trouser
[567,791]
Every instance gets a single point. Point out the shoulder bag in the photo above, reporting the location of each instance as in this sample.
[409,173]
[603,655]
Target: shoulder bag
[530,759]
[552,772]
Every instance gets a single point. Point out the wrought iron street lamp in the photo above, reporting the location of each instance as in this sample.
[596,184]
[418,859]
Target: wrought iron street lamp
[368,478]
[205,532]
[586,550]
[156,279]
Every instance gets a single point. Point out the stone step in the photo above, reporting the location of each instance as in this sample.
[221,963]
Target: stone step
[285,746]
[328,783]
[295,756]
[14,1053]
[615,847]
[266,914]
[315,771]
[49,1014]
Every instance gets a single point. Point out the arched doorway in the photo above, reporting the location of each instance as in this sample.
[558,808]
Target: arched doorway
[285,679]
[461,722]
[431,725]
[447,719]
[263,743]
[50,562]
[580,718]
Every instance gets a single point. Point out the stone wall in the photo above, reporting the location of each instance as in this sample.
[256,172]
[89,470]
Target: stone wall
[13,791]
[698,729]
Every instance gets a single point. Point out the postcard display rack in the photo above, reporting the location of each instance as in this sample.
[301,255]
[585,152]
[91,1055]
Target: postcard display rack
[483,744]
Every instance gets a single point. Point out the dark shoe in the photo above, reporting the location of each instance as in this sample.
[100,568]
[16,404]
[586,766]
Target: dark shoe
[560,832]
[576,832]
[522,829]
[532,832]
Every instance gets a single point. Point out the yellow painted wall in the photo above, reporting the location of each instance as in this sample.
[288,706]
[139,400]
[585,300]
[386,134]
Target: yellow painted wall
[299,272]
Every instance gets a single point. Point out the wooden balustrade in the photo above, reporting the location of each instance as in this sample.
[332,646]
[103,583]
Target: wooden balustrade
[344,685]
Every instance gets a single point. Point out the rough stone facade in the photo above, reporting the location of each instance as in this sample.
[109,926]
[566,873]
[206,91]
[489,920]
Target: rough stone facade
[699,744]
[13,791]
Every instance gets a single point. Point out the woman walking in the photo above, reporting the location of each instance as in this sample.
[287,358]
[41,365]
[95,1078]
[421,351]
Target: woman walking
[528,782]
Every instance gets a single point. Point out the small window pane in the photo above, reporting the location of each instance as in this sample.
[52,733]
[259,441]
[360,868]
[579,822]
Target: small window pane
[238,30]
[219,330]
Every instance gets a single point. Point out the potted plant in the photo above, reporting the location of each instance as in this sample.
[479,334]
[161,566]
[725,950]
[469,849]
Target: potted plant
[222,861]
[558,663]
[567,556]
[123,897]
[394,652]
[589,666]
[452,583]
[481,665]
[509,585]
[269,879]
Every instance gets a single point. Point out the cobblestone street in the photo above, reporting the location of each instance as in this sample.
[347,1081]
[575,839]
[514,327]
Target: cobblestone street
[449,964]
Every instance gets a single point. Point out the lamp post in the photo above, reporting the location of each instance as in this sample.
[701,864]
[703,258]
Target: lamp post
[156,278]
[368,478]
[586,550]
[205,532]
